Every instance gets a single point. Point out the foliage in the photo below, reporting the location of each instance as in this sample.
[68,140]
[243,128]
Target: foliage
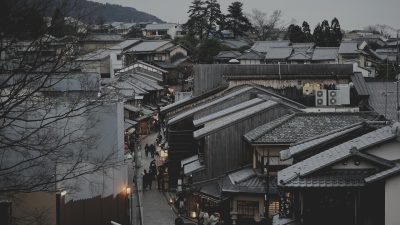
[236,21]
[208,49]
[213,16]
[197,23]
[328,36]
[134,32]
[387,70]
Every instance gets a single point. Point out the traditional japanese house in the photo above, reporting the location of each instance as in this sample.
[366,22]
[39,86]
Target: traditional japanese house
[270,139]
[352,183]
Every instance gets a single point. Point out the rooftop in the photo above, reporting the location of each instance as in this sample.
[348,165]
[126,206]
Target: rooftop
[264,46]
[290,129]
[98,54]
[125,44]
[160,26]
[348,47]
[325,53]
[148,46]
[279,53]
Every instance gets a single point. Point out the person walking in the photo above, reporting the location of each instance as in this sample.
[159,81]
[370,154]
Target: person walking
[206,218]
[145,180]
[152,150]
[146,150]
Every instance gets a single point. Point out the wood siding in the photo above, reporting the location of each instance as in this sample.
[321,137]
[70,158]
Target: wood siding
[226,150]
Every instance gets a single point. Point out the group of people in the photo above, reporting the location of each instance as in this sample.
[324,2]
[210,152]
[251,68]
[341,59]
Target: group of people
[153,173]
[150,149]
[206,219]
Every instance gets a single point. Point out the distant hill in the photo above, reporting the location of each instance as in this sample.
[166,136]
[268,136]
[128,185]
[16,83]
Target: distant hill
[118,13]
[92,11]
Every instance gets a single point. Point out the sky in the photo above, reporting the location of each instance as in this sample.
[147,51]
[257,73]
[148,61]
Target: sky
[352,14]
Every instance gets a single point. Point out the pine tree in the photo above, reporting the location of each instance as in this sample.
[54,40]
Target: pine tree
[57,28]
[318,35]
[214,16]
[197,23]
[236,21]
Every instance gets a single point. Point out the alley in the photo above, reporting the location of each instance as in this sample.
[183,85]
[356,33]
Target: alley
[156,209]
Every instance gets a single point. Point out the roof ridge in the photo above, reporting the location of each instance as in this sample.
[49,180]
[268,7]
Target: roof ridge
[281,121]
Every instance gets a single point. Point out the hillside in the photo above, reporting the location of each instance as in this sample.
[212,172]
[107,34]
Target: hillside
[89,11]
[117,13]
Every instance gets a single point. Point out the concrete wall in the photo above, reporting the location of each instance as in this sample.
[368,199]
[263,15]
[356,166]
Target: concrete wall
[392,199]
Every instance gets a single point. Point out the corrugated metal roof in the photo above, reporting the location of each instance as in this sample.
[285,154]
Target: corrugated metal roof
[335,154]
[325,53]
[161,26]
[148,46]
[227,111]
[264,46]
[279,53]
[218,124]
[190,112]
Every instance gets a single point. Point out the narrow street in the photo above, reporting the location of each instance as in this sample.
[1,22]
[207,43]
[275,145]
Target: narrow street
[156,209]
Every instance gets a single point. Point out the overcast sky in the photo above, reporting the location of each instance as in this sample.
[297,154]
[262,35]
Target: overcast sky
[352,14]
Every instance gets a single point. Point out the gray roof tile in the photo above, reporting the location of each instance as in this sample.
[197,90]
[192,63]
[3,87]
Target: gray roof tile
[279,53]
[264,46]
[291,129]
[377,98]
[325,53]
[348,47]
[335,154]
[148,46]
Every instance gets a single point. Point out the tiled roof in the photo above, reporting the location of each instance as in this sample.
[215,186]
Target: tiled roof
[325,53]
[279,53]
[235,44]
[227,111]
[190,112]
[303,146]
[252,55]
[98,54]
[291,129]
[300,56]
[334,178]
[147,46]
[264,46]
[131,108]
[104,37]
[377,98]
[259,131]
[247,181]
[335,154]
[348,47]
[227,54]
[303,45]
[220,123]
[360,84]
[160,26]
[125,44]
[210,188]
[384,174]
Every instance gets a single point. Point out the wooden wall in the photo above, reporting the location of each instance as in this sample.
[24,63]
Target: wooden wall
[226,150]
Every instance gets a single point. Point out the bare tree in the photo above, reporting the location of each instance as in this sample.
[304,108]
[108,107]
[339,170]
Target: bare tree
[49,110]
[267,27]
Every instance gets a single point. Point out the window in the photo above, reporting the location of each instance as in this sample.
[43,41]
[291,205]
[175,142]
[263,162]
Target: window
[119,57]
[5,213]
[247,208]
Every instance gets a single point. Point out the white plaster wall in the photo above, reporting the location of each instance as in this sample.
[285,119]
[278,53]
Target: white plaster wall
[389,151]
[392,200]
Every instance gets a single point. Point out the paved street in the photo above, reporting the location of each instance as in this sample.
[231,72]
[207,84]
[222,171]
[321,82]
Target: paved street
[156,209]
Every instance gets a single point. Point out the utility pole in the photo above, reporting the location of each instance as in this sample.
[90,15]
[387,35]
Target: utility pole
[266,194]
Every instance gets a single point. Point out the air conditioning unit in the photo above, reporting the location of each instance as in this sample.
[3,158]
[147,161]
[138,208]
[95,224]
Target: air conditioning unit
[320,97]
[334,97]
[344,93]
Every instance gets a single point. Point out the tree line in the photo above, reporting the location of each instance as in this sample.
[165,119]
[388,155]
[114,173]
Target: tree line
[324,35]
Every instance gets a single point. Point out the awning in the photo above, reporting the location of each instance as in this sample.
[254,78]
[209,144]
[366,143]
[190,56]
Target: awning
[192,167]
[129,123]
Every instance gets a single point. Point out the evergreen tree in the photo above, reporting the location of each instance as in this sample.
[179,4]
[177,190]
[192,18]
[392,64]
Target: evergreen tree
[208,49]
[57,28]
[295,34]
[237,22]
[336,33]
[318,35]
[306,32]
[197,23]
[213,15]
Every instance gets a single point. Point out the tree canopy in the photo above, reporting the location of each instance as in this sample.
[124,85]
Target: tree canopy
[236,21]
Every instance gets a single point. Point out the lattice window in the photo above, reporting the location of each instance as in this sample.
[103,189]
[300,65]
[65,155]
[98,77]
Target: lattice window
[247,208]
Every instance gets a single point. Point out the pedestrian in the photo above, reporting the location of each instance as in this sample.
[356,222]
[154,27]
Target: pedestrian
[206,218]
[160,180]
[214,219]
[145,179]
[153,169]
[152,150]
[146,150]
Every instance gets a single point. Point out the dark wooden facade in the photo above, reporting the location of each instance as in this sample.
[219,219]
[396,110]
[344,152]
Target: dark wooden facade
[225,150]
